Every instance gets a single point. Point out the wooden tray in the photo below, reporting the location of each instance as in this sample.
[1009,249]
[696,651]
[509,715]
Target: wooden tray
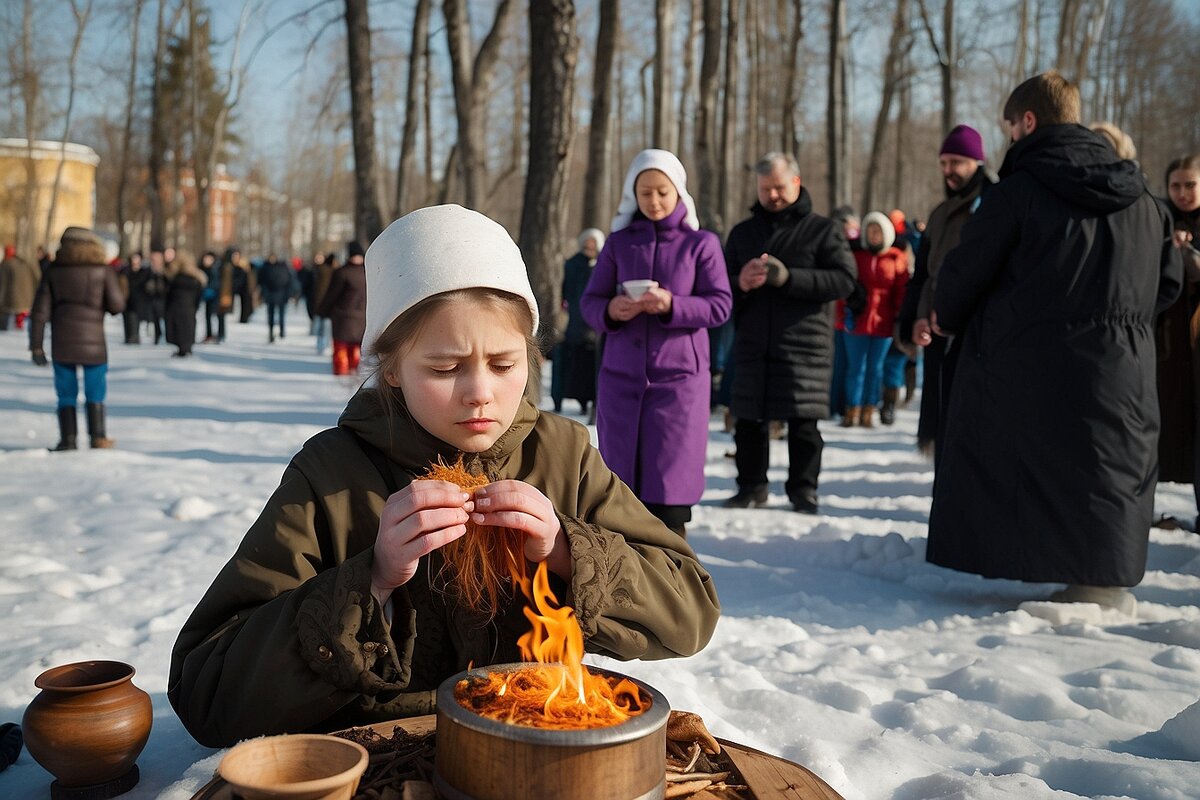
[769,777]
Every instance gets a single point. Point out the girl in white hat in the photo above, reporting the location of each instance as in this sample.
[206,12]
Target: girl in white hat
[341,606]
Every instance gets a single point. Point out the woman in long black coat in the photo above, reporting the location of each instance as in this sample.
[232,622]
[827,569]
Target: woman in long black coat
[1048,469]
[185,286]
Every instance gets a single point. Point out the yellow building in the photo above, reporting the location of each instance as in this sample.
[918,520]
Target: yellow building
[74,205]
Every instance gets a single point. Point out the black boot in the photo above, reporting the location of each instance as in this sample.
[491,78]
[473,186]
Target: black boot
[887,413]
[68,429]
[95,422]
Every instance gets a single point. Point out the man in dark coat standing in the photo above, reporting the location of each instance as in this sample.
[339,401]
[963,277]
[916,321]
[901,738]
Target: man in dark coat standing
[966,179]
[76,291]
[786,265]
[1048,469]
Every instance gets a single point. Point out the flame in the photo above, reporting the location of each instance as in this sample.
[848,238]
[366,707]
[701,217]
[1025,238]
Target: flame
[560,692]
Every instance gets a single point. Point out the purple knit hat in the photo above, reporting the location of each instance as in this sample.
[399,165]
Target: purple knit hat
[963,141]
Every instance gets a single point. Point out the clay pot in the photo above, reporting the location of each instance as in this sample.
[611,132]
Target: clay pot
[89,723]
[302,766]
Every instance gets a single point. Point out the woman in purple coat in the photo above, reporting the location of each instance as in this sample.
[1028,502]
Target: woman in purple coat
[652,396]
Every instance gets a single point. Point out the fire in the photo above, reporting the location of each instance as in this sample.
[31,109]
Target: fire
[560,692]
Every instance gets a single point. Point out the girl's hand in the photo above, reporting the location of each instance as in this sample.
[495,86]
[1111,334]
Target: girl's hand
[518,506]
[622,309]
[1182,239]
[656,301]
[415,521]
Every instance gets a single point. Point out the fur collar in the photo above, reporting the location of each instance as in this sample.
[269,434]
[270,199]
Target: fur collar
[74,252]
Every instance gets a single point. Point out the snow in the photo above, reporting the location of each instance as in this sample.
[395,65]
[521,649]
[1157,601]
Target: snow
[839,646]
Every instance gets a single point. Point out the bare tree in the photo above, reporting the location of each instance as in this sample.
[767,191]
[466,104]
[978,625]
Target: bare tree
[472,77]
[408,142]
[1080,26]
[664,65]
[688,91]
[127,129]
[596,203]
[29,74]
[892,77]
[836,112]
[368,220]
[947,55]
[710,210]
[729,110]
[553,46]
[81,14]
[791,93]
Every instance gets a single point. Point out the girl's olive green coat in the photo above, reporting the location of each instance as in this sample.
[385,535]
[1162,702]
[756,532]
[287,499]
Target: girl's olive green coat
[288,638]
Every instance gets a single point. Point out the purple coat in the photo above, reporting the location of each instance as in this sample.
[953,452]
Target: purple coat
[652,398]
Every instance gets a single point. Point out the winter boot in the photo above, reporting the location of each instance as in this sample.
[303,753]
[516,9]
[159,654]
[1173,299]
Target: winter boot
[866,417]
[910,381]
[68,429]
[850,418]
[887,413]
[747,497]
[95,422]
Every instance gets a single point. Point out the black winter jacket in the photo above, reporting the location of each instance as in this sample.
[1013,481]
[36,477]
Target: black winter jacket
[783,341]
[77,289]
[1048,468]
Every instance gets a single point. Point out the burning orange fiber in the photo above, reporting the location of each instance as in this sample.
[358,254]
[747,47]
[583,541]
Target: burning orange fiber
[480,563]
[558,692]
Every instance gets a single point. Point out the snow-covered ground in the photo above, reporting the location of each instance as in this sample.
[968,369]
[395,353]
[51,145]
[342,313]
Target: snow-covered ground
[839,647]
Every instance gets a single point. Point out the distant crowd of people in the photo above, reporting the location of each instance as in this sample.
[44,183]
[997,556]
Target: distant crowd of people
[1044,311]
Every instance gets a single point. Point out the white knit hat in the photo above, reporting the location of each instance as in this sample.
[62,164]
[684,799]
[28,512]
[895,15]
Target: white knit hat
[665,162]
[885,226]
[434,250]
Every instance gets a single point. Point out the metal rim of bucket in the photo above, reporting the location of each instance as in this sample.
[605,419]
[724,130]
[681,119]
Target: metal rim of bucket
[633,728]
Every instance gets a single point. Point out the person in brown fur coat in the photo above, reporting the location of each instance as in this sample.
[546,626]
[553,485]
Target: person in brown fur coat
[76,291]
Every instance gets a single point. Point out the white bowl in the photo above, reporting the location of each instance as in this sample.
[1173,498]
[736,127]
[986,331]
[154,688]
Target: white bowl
[635,289]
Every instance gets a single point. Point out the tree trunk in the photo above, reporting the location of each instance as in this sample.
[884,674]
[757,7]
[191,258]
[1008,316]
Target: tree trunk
[949,112]
[664,65]
[754,68]
[408,141]
[729,110]
[597,205]
[835,108]
[127,129]
[890,79]
[431,183]
[472,77]
[554,48]
[689,76]
[790,142]
[368,220]
[709,211]
[154,158]
[31,89]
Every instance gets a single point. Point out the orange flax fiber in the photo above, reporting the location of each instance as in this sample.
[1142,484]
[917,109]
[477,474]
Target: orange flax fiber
[480,562]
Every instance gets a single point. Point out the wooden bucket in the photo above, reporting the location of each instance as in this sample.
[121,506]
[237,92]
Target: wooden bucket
[483,759]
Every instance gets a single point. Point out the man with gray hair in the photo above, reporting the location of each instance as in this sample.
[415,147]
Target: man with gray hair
[786,265]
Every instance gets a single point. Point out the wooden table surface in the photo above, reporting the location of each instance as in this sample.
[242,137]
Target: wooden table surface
[769,777]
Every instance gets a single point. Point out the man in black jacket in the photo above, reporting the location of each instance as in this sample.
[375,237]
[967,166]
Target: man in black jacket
[786,265]
[1048,468]
[966,179]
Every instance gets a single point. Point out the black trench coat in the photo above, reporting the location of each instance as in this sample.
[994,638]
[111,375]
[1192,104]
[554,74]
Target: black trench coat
[1051,451]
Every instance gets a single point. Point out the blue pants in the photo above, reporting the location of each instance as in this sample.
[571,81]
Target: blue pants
[66,383]
[864,368]
[893,368]
[837,381]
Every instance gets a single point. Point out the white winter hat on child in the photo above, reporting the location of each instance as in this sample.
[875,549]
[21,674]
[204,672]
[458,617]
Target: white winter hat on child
[434,250]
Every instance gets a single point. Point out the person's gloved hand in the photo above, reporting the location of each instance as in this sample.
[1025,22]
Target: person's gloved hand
[777,273]
[857,300]
[39,357]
